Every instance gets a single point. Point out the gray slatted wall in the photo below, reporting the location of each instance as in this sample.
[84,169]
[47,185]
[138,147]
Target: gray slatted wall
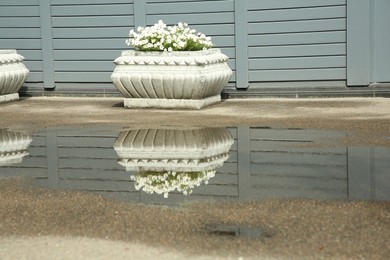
[20,28]
[279,40]
[87,36]
[296,40]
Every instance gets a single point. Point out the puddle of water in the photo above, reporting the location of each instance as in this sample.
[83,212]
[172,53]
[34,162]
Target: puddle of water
[240,163]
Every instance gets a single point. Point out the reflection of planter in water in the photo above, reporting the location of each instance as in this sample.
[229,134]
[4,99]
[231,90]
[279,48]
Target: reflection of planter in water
[181,79]
[13,73]
[13,147]
[169,159]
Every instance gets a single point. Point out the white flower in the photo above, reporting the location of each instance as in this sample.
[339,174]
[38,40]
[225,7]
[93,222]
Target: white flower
[172,38]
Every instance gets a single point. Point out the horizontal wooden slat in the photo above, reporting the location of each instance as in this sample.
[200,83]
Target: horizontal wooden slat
[85,33]
[20,22]
[88,163]
[83,76]
[88,87]
[297,50]
[287,146]
[34,77]
[297,38]
[88,44]
[93,21]
[298,63]
[297,75]
[165,1]
[216,190]
[323,171]
[297,158]
[26,44]
[13,172]
[97,174]
[285,192]
[20,33]
[37,151]
[222,178]
[192,19]
[86,152]
[74,55]
[297,14]
[83,141]
[96,185]
[38,140]
[31,55]
[19,2]
[88,2]
[32,162]
[84,66]
[293,134]
[297,26]
[276,4]
[19,11]
[193,7]
[214,29]
[34,65]
[100,132]
[300,183]
[91,9]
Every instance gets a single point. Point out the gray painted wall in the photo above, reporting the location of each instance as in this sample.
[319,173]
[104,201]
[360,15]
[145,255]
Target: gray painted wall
[69,45]
[368,41]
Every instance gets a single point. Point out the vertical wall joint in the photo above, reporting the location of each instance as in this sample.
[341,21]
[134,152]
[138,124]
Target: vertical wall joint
[241,43]
[47,44]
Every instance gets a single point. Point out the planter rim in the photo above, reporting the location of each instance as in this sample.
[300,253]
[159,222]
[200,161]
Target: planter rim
[10,56]
[171,53]
[184,58]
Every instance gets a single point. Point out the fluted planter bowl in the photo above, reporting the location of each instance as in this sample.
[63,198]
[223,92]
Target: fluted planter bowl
[179,79]
[13,73]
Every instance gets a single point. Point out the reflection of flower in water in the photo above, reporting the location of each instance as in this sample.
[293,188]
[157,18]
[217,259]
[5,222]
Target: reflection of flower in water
[167,160]
[167,181]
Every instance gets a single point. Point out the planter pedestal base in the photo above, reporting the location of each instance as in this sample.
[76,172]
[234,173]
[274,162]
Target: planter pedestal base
[171,103]
[9,97]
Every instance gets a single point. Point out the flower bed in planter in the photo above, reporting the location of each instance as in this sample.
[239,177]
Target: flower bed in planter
[171,67]
[13,73]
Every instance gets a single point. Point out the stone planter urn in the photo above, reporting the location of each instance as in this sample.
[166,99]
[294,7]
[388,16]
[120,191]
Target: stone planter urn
[165,160]
[177,79]
[13,146]
[13,73]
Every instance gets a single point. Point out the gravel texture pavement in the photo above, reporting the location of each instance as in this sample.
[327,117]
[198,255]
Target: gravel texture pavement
[39,223]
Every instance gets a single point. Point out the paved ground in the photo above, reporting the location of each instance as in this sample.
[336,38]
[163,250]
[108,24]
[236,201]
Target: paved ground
[37,223]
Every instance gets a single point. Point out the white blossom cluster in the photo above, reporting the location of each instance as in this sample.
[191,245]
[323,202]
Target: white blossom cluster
[165,182]
[161,37]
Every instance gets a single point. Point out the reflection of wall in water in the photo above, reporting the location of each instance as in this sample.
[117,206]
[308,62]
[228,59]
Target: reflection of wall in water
[291,163]
[271,162]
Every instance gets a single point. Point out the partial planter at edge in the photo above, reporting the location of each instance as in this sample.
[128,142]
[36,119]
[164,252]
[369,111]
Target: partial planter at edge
[180,79]
[13,73]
